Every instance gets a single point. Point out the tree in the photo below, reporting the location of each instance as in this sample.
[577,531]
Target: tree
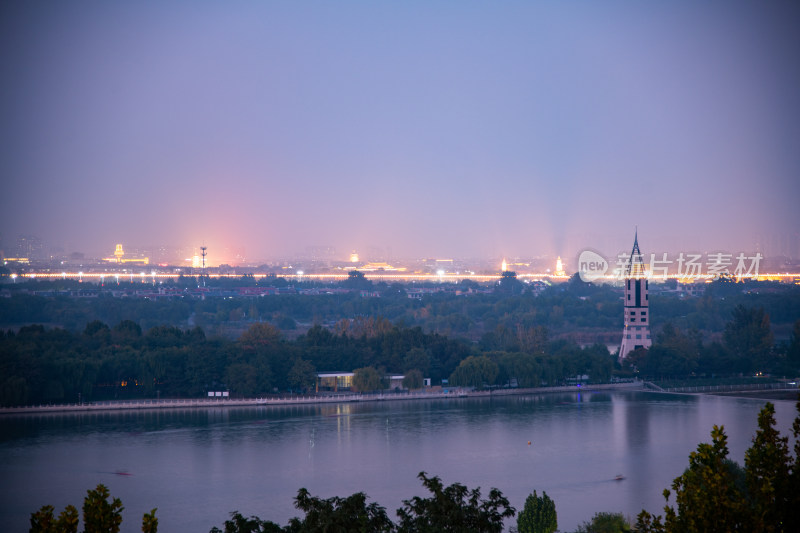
[509,284]
[475,371]
[453,509]
[767,471]
[366,379]
[749,336]
[793,353]
[339,515]
[418,358]
[127,329]
[538,515]
[241,524]
[42,521]
[716,494]
[519,367]
[99,514]
[605,523]
[260,334]
[150,522]
[413,379]
[302,375]
[96,327]
[356,280]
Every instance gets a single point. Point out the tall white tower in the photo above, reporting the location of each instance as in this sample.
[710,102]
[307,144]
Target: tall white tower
[636,333]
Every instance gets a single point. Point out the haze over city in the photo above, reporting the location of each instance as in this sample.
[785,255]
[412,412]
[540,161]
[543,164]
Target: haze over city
[447,129]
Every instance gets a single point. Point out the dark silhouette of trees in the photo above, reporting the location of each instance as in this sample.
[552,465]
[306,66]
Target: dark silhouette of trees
[538,515]
[716,494]
[749,336]
[339,514]
[101,514]
[453,509]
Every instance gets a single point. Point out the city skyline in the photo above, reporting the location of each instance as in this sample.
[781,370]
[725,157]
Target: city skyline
[425,131]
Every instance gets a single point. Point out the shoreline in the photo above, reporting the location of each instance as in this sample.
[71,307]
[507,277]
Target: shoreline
[199,403]
[744,391]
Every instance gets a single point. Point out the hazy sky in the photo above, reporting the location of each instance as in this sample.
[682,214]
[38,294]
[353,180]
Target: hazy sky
[430,128]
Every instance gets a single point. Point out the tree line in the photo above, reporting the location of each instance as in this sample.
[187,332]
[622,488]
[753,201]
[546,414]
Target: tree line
[53,365]
[572,309]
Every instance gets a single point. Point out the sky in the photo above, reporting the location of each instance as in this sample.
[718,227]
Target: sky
[426,129]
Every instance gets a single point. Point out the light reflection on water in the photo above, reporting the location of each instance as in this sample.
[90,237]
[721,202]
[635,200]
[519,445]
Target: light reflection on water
[197,465]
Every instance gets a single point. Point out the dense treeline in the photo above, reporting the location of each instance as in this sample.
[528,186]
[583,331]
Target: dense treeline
[573,309]
[41,365]
[164,353]
[746,347]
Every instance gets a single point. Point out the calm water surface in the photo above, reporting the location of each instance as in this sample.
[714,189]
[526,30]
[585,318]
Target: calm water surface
[198,465]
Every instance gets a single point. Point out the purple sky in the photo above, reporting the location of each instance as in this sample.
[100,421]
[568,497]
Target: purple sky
[430,128]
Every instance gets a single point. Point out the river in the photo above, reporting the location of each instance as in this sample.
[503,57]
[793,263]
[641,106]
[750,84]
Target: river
[197,465]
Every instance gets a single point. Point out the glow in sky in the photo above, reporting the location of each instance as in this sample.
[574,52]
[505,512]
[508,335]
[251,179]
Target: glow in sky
[429,128]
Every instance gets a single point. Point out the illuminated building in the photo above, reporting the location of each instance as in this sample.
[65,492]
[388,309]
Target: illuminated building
[504,265]
[119,257]
[636,331]
[354,257]
[373,267]
[560,268]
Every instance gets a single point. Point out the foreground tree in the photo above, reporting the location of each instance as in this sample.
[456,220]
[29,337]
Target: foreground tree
[42,521]
[339,515]
[538,515]
[453,509]
[767,472]
[716,494]
[101,514]
[241,524]
[606,523]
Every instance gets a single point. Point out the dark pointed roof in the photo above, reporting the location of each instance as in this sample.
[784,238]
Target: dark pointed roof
[635,266]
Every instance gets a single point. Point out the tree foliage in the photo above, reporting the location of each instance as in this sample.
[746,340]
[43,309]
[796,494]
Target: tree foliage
[475,371]
[241,524]
[413,379]
[538,515]
[339,515]
[604,522]
[42,521]
[716,494]
[453,509]
[101,514]
[749,335]
[366,379]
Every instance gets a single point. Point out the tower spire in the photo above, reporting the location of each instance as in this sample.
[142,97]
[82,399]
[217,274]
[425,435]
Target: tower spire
[635,266]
